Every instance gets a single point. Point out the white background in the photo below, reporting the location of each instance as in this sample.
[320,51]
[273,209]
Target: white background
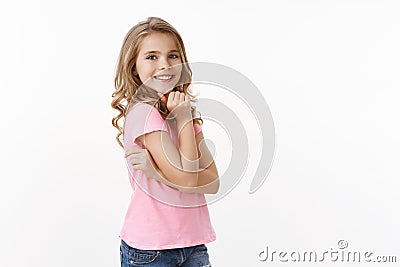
[329,71]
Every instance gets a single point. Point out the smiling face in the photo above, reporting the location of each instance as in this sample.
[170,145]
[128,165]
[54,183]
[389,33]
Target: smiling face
[158,62]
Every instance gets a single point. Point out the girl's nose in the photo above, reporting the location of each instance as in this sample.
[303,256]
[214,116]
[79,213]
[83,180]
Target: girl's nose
[163,64]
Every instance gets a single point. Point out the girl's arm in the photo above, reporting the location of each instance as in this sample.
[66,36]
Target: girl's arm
[180,166]
[167,157]
[141,159]
[207,184]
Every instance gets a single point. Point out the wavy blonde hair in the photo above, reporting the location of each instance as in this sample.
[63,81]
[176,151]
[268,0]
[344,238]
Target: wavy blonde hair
[129,89]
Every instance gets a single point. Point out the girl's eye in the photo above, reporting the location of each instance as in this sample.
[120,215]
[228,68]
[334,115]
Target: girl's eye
[173,56]
[151,57]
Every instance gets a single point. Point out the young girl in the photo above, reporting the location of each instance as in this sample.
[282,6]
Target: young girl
[167,222]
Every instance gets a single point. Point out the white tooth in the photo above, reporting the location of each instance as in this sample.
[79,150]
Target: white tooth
[164,77]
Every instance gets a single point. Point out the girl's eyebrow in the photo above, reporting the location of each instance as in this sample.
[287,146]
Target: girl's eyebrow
[158,52]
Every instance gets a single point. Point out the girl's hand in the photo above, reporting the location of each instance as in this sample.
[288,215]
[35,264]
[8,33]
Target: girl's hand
[178,105]
[141,159]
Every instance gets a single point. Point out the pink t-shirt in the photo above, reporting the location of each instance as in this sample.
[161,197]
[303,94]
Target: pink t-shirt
[160,216]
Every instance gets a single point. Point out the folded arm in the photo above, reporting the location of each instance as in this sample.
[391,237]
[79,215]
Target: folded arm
[167,168]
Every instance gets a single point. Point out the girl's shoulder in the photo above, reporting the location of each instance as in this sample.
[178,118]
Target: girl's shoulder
[143,116]
[143,106]
[143,111]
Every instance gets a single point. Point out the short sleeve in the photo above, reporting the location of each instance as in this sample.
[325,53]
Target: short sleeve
[140,120]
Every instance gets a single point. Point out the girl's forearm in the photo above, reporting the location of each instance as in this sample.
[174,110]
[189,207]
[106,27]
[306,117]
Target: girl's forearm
[208,181]
[188,148]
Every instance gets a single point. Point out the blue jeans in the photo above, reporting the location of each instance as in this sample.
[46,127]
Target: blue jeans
[194,256]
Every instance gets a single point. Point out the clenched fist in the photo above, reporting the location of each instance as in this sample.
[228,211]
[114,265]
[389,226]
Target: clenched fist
[178,104]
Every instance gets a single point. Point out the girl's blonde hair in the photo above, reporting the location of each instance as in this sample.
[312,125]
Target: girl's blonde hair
[128,87]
